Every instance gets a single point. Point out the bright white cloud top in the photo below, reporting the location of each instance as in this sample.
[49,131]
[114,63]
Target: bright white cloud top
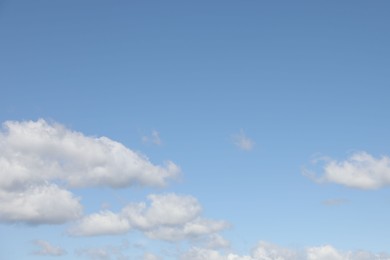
[269,251]
[35,155]
[361,170]
[35,152]
[169,217]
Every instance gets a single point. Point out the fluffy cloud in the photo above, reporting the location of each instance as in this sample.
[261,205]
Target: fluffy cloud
[103,223]
[164,210]
[168,217]
[47,249]
[33,152]
[268,251]
[39,204]
[197,253]
[193,229]
[361,170]
[243,142]
[38,159]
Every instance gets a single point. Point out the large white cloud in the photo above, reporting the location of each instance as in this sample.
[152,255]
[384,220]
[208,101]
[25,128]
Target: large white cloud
[361,170]
[33,152]
[38,160]
[47,204]
[168,217]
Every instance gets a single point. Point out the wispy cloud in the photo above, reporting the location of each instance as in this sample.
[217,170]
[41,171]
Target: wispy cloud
[243,142]
[153,138]
[361,170]
[47,249]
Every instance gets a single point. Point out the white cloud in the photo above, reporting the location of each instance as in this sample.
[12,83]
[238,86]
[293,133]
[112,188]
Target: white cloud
[193,229]
[154,138]
[47,204]
[167,209]
[361,170]
[34,152]
[324,253]
[103,223]
[47,249]
[216,241]
[167,217]
[243,142]
[38,159]
[268,251]
[197,253]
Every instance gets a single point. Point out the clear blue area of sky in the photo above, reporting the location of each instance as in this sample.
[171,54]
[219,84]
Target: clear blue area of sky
[301,78]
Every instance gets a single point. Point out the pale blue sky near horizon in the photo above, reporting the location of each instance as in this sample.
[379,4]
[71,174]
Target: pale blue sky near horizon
[301,79]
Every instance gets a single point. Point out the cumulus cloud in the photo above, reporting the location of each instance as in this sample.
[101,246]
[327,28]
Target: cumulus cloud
[168,217]
[243,142]
[33,152]
[103,223]
[154,138]
[269,251]
[361,170]
[38,160]
[197,253]
[47,204]
[47,249]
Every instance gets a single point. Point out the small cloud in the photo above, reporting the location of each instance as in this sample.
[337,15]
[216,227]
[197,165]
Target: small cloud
[361,170]
[47,249]
[243,142]
[334,202]
[154,138]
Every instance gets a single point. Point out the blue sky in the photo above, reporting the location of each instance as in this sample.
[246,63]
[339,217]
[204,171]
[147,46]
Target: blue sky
[194,130]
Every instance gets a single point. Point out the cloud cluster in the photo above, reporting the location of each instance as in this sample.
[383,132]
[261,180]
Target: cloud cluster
[38,159]
[361,170]
[168,217]
[268,251]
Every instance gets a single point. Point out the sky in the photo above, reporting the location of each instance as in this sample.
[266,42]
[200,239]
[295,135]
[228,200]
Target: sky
[218,130]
